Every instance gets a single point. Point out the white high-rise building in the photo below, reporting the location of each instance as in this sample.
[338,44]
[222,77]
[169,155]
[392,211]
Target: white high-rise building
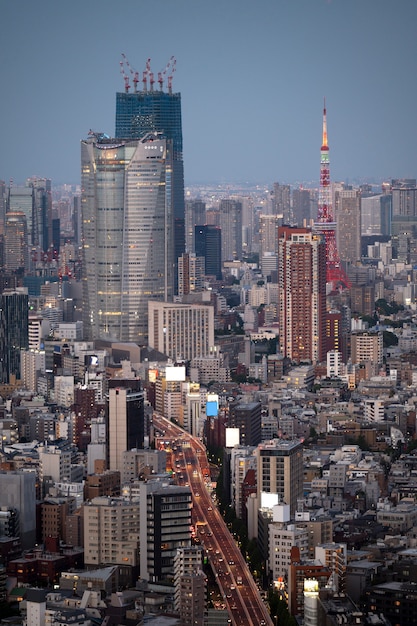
[181,331]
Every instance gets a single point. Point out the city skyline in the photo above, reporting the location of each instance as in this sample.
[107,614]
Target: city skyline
[252,78]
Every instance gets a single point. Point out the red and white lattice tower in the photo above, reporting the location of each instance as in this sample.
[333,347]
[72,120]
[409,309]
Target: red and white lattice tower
[336,276]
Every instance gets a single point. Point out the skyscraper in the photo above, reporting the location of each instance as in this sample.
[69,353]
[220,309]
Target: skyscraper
[14,315]
[348,225]
[208,244]
[128,254]
[149,111]
[302,294]
[231,227]
[16,256]
[126,426]
[195,213]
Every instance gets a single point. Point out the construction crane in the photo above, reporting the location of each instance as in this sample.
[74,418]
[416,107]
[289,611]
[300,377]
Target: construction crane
[173,64]
[162,74]
[125,77]
[133,73]
[145,74]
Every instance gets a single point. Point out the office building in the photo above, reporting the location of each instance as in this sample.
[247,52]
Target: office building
[17,491]
[231,228]
[16,252]
[376,215]
[347,208]
[195,214]
[302,294]
[246,416]
[301,207]
[280,470]
[125,418]
[14,314]
[148,111]
[181,331]
[281,202]
[208,244]
[21,200]
[127,207]
[165,520]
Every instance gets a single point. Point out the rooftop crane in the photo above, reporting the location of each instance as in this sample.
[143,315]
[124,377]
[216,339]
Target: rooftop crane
[135,74]
[125,77]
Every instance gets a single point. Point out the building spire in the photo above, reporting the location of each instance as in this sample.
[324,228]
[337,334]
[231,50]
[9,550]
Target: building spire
[325,145]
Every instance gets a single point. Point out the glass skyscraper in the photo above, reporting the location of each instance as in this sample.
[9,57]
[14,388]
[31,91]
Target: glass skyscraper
[127,220]
[149,111]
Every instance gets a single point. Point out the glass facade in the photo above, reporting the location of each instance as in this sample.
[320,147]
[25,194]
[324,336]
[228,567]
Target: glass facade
[156,111]
[127,219]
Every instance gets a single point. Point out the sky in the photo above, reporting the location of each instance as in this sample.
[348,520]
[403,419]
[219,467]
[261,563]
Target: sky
[253,75]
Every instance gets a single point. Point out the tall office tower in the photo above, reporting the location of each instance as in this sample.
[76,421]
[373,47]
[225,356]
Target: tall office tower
[325,225]
[268,234]
[302,294]
[281,202]
[16,254]
[17,490]
[3,204]
[160,537]
[111,533]
[125,419]
[246,416]
[128,255]
[376,215]
[301,206]
[190,273]
[190,586]
[181,331]
[404,197]
[248,221]
[148,111]
[208,244]
[231,227]
[14,314]
[280,470]
[42,213]
[348,225]
[195,213]
[22,199]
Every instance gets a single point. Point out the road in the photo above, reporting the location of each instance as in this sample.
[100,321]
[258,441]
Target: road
[189,462]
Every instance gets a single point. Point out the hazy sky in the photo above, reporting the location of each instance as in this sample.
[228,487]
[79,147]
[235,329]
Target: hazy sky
[252,76]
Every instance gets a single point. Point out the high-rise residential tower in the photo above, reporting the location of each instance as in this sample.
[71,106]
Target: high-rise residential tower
[152,110]
[302,294]
[231,227]
[127,220]
[348,224]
